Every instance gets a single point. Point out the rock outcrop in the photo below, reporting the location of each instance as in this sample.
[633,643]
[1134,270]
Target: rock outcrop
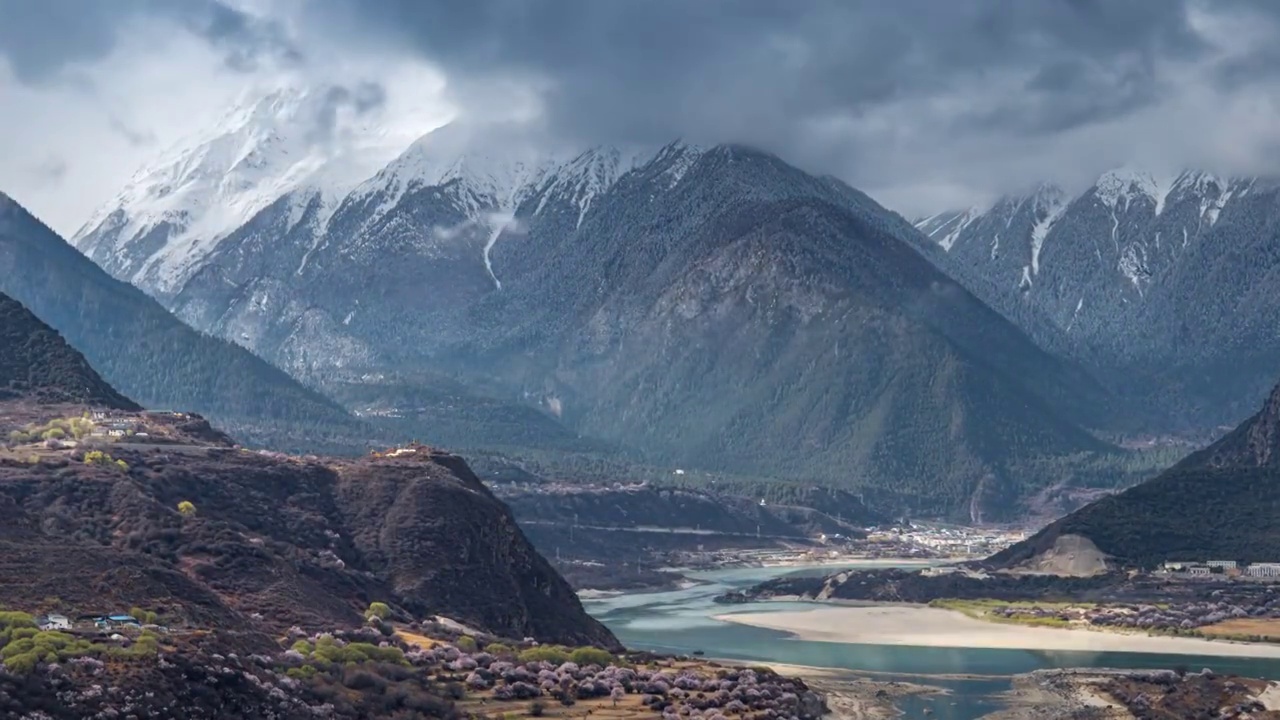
[276,541]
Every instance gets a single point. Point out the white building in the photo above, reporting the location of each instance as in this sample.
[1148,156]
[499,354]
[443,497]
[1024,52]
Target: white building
[53,622]
[1199,570]
[1267,570]
[1224,564]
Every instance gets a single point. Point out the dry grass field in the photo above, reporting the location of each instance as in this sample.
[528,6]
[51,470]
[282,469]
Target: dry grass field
[1267,628]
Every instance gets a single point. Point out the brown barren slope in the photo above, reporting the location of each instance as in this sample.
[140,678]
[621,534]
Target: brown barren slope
[277,541]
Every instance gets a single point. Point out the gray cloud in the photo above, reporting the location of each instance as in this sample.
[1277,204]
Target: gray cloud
[1068,95]
[40,39]
[894,96]
[361,98]
[922,103]
[650,70]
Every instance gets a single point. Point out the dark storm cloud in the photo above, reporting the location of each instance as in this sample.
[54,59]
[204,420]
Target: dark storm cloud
[361,98]
[245,40]
[648,70]
[926,103]
[1067,95]
[39,38]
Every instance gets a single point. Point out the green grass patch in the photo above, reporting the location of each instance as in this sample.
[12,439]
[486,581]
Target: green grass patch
[984,609]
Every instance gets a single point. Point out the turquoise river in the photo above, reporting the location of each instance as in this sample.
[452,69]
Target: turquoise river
[682,621]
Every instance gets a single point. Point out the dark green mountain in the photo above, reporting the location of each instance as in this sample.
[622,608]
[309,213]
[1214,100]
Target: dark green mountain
[150,355]
[1168,290]
[36,363]
[714,309]
[759,321]
[1222,502]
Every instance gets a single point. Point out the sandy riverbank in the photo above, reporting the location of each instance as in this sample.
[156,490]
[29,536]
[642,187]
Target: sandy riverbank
[859,562]
[933,627]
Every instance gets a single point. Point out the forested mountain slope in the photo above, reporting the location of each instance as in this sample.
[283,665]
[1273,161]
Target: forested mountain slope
[152,356]
[1219,503]
[714,308]
[37,364]
[1167,288]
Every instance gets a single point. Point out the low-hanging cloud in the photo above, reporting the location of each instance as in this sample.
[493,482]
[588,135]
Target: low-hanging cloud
[923,103]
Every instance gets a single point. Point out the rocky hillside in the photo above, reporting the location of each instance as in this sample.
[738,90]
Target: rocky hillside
[1166,288]
[37,364]
[1218,503]
[152,356]
[697,306]
[175,519]
[273,541]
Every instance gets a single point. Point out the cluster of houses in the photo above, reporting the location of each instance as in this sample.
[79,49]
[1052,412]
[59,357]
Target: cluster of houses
[106,623]
[1229,568]
[943,540]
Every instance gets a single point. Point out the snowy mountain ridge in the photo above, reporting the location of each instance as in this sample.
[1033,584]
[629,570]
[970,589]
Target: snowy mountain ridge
[291,146]
[1119,191]
[1136,271]
[174,211]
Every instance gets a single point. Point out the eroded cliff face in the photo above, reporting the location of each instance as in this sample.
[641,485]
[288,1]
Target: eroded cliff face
[471,559]
[278,541]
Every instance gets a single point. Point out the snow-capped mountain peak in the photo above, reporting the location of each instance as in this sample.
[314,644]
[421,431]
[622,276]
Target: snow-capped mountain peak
[479,178]
[590,174]
[174,211]
[1119,187]
[678,158]
[1083,265]
[945,228]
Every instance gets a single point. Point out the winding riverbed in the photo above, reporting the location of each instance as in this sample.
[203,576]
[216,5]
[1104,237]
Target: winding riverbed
[683,621]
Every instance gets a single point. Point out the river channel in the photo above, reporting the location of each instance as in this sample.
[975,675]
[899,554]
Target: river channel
[681,621]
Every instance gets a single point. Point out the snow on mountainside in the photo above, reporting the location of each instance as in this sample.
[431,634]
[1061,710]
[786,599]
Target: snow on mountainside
[430,162]
[1168,282]
[301,157]
[436,209]
[312,142]
[945,227]
[656,299]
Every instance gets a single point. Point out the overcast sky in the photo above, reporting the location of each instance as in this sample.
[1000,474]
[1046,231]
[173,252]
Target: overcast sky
[925,104]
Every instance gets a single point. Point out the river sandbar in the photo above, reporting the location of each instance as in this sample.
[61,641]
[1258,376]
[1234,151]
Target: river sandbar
[923,626]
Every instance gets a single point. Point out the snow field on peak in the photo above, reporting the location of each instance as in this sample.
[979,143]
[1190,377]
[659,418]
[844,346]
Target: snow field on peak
[213,182]
[1127,183]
